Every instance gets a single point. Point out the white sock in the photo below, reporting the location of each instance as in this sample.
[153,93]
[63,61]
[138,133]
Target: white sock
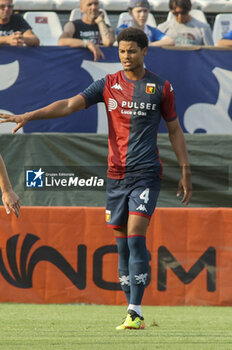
[136,308]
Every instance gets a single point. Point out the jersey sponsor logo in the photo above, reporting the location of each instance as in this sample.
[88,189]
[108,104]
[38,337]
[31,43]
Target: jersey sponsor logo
[112,104]
[141,207]
[150,88]
[141,105]
[108,215]
[116,86]
[171,88]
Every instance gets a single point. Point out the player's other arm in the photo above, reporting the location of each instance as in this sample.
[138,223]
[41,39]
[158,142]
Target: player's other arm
[57,109]
[177,140]
[9,197]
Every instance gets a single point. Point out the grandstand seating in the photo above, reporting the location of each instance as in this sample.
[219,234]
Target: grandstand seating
[208,6]
[198,14]
[114,5]
[33,5]
[77,14]
[46,25]
[222,25]
[66,5]
[159,5]
[125,18]
[214,6]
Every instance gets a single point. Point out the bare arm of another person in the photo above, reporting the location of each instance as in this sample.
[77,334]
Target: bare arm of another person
[106,32]
[66,39]
[30,39]
[165,41]
[177,140]
[18,39]
[224,43]
[9,197]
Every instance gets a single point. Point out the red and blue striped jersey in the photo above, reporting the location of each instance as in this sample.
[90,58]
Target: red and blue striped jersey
[134,110]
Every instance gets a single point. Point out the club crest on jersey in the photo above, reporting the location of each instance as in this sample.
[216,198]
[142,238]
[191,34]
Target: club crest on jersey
[116,87]
[150,88]
[108,215]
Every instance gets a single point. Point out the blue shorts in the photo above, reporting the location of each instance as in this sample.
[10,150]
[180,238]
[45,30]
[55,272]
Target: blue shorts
[134,195]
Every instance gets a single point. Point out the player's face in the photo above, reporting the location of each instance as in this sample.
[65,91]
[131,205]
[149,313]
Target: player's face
[140,15]
[131,55]
[181,15]
[90,8]
[6,8]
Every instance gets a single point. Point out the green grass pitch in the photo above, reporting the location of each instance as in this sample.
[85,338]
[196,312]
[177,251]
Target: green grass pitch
[90,327]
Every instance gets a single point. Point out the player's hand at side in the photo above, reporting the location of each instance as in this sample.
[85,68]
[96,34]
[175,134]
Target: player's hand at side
[11,202]
[20,120]
[185,187]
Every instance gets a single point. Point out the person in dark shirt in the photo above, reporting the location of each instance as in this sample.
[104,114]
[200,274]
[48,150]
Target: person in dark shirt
[90,31]
[14,30]
[136,100]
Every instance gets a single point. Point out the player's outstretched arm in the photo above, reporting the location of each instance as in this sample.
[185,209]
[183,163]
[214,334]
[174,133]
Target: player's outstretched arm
[9,198]
[57,109]
[177,139]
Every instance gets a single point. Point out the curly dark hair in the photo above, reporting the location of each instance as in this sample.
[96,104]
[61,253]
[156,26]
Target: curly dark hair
[133,34]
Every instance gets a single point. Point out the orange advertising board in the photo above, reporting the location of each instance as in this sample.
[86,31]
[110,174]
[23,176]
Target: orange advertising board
[68,255]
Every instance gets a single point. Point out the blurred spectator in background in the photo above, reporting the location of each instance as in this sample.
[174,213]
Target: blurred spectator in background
[90,31]
[14,30]
[10,199]
[183,28]
[226,41]
[139,11]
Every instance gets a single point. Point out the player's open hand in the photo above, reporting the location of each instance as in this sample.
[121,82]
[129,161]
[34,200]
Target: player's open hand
[20,120]
[11,202]
[185,187]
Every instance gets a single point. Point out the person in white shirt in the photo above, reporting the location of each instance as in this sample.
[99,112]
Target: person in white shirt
[185,29]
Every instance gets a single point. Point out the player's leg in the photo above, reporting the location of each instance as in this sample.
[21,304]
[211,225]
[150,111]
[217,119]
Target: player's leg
[117,217]
[142,202]
[137,268]
[123,260]
[138,261]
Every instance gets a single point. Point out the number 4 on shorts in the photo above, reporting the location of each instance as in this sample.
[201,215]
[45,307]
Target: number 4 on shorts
[145,195]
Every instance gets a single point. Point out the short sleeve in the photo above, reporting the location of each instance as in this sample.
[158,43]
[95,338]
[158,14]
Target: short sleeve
[168,103]
[22,24]
[94,93]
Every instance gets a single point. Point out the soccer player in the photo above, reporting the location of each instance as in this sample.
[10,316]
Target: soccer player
[136,100]
[9,197]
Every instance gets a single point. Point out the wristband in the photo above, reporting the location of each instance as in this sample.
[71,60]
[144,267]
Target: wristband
[84,43]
